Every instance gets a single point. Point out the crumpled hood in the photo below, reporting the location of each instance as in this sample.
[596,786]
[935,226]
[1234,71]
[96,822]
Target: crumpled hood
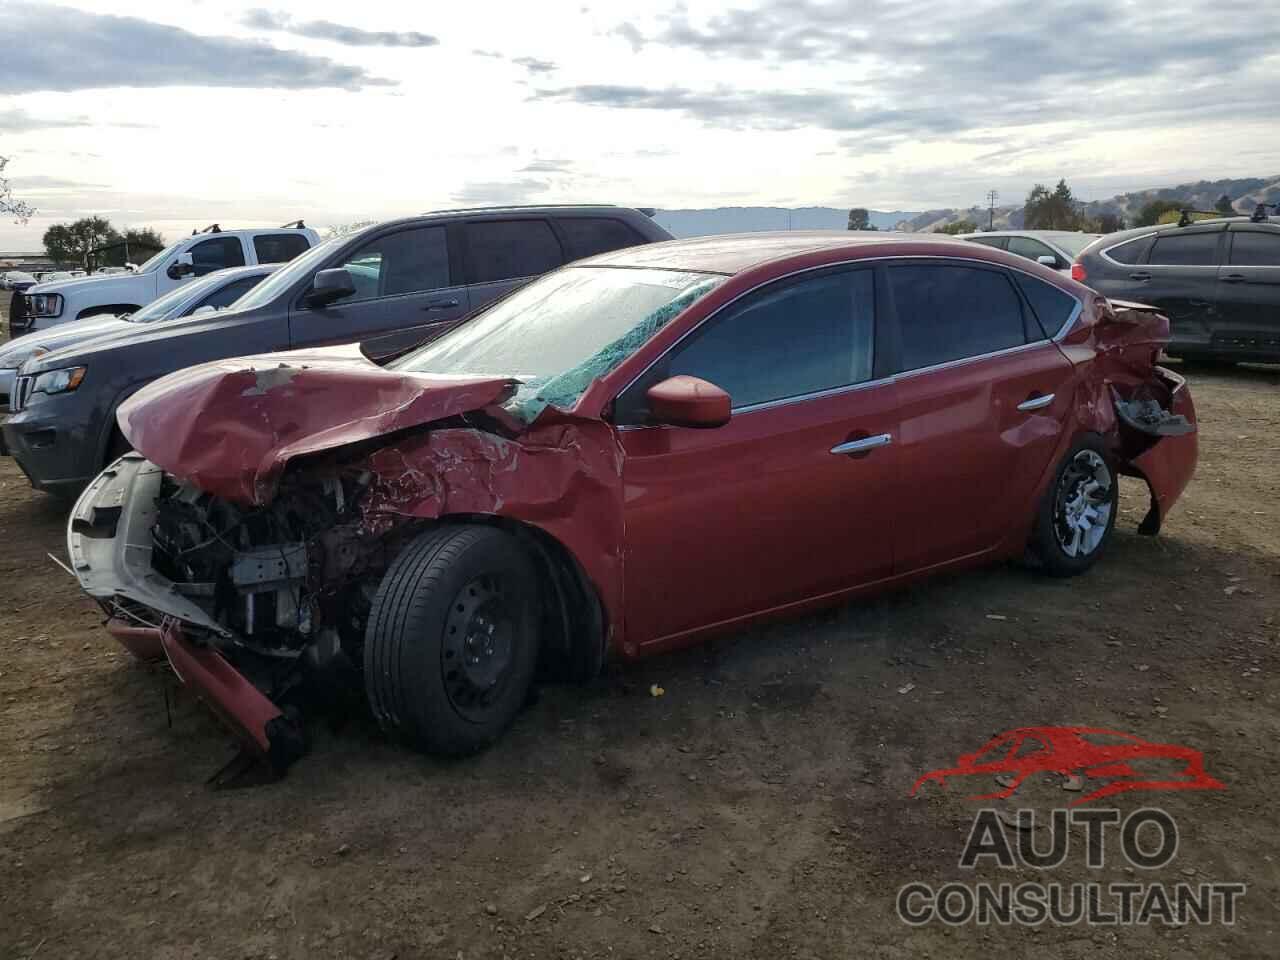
[230,427]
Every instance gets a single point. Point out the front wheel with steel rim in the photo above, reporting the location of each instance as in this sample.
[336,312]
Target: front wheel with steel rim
[452,639]
[1078,511]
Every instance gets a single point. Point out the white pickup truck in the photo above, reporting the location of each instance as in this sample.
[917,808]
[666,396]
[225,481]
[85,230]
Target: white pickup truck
[48,304]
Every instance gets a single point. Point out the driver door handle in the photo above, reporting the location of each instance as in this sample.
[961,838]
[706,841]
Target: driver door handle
[1233,278]
[1036,402]
[440,304]
[863,445]
[1140,275]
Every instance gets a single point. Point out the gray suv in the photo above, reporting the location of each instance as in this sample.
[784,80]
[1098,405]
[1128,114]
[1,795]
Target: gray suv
[388,287]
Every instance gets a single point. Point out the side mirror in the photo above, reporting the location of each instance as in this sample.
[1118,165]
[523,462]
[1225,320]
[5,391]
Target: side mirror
[1048,260]
[182,266]
[330,285]
[685,401]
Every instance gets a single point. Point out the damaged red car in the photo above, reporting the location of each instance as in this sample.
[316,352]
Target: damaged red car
[620,458]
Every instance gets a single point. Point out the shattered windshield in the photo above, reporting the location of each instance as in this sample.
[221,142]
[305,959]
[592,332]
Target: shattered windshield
[561,332]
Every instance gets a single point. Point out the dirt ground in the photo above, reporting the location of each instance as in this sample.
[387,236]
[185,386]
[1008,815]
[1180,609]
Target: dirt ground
[758,808]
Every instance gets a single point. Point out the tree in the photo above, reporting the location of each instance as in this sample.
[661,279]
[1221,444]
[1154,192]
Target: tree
[960,226]
[860,219]
[71,242]
[20,210]
[1151,212]
[1224,205]
[1050,210]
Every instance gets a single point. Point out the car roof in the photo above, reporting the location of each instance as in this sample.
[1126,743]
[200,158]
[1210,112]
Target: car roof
[734,253]
[1049,234]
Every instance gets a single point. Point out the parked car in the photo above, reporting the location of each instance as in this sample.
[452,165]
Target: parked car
[18,280]
[624,456]
[214,292]
[49,303]
[1056,249]
[1217,280]
[390,286]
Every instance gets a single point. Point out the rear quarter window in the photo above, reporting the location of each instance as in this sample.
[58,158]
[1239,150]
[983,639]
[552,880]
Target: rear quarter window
[1052,307]
[1131,251]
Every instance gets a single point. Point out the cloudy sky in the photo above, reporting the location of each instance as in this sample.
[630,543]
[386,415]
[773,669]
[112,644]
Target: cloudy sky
[179,114]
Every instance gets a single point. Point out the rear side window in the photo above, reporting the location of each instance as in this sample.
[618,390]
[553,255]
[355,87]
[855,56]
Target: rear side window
[1253,248]
[998,242]
[587,236]
[1185,250]
[950,312]
[411,261]
[1031,249]
[216,253]
[279,247]
[1052,307]
[509,249]
[794,339]
[1131,251]
[229,294]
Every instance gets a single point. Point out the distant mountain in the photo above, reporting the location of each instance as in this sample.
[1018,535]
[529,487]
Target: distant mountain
[1245,194]
[701,223]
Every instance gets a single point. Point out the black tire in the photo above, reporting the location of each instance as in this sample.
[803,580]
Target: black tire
[423,622]
[1049,539]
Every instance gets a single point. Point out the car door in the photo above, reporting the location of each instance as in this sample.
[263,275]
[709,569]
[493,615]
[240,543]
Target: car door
[982,392]
[794,497]
[1180,277]
[505,254]
[406,292]
[1249,290]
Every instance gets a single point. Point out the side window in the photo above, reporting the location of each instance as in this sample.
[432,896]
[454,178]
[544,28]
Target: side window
[1052,307]
[950,312]
[793,339]
[1254,248]
[1185,250]
[509,249]
[588,236]
[1131,251]
[1031,249]
[998,242]
[278,247]
[411,261]
[216,253]
[227,295]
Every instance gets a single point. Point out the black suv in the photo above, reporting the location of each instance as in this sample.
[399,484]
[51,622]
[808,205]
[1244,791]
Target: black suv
[389,287]
[1217,280]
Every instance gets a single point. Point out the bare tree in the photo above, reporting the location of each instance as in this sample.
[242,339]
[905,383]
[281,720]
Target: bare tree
[20,210]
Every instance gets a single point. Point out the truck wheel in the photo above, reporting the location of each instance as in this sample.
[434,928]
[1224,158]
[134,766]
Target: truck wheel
[1078,511]
[452,640]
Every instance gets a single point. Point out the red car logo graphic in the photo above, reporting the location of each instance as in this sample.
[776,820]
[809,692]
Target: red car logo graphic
[1091,752]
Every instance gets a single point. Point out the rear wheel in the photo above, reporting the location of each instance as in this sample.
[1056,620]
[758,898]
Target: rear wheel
[452,640]
[1078,512]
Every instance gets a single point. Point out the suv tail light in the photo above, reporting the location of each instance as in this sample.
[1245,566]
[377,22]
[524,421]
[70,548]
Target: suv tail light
[1078,272]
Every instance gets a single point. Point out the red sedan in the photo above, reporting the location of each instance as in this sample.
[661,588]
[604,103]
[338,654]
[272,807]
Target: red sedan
[620,458]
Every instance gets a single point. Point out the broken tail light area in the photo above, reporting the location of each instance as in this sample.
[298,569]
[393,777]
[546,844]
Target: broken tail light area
[1157,435]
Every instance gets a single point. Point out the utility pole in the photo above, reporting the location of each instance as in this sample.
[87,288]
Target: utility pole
[992,197]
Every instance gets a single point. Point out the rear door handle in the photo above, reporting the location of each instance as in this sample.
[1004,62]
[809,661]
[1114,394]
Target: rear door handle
[1233,278]
[1139,275]
[863,445]
[440,304]
[1036,403]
